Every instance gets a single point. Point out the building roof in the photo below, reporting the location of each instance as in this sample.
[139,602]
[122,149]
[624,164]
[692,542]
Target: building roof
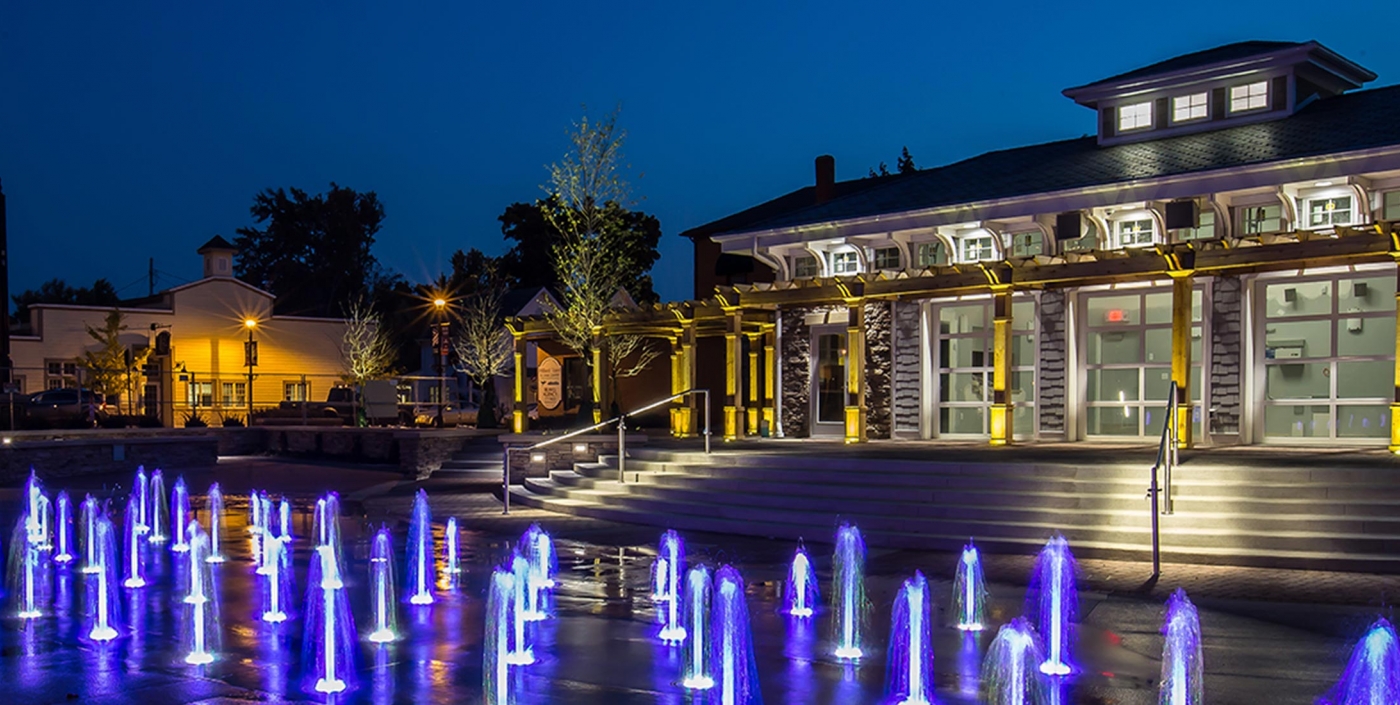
[1208,57]
[787,203]
[216,243]
[1344,123]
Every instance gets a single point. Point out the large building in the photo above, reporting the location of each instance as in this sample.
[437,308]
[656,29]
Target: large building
[196,335]
[1231,228]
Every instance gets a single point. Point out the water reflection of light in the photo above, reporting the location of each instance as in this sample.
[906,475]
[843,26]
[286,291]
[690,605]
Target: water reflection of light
[969,665]
[382,680]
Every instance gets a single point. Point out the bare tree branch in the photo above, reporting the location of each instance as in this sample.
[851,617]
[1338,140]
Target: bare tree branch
[622,347]
[366,349]
[483,345]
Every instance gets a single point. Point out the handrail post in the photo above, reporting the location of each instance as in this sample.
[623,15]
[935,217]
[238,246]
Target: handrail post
[505,480]
[622,449]
[1156,534]
[707,421]
[1171,456]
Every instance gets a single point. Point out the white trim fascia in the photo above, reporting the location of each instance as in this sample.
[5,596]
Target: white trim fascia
[307,319]
[1102,195]
[207,280]
[87,307]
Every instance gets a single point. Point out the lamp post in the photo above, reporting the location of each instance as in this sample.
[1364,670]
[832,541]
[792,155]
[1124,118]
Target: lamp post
[250,358]
[440,352]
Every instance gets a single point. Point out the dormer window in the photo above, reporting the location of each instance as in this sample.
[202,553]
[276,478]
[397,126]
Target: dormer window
[1025,244]
[845,263]
[1186,108]
[1251,96]
[932,254]
[886,258]
[977,247]
[1325,212]
[804,267]
[1138,232]
[1137,116]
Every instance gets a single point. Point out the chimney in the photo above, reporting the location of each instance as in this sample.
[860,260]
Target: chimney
[826,178]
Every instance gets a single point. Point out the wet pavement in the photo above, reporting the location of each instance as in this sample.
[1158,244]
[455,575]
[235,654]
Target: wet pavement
[601,646]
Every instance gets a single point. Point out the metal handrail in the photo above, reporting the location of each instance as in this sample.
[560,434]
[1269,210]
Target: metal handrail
[1166,460]
[621,439]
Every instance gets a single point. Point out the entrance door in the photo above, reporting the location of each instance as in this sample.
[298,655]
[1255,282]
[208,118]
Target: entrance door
[1328,355]
[1127,366]
[828,380]
[964,366]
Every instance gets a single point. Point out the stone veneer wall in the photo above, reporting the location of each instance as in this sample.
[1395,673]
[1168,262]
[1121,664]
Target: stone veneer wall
[1050,387]
[906,365]
[879,366]
[797,371]
[1226,323]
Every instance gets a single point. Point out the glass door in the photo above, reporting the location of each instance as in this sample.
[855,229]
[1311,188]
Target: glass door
[964,367]
[829,379]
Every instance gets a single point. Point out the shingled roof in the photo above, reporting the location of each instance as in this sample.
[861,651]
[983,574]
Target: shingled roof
[787,203]
[1344,123]
[1208,57]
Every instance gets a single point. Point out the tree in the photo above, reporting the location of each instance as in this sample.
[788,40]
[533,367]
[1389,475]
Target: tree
[587,206]
[623,347]
[905,165]
[313,252]
[483,346]
[366,348]
[111,369]
[55,291]
[884,171]
[633,235]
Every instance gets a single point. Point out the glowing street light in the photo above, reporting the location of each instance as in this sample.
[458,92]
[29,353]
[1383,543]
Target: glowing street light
[250,360]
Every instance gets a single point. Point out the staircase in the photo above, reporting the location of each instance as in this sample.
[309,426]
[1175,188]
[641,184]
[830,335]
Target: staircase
[1327,518]
[477,461]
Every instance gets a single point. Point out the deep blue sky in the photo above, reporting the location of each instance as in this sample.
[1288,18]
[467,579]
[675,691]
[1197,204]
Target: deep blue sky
[138,129]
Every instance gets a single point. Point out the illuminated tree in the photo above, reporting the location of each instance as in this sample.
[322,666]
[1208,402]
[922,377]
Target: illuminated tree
[483,345]
[367,349]
[113,368]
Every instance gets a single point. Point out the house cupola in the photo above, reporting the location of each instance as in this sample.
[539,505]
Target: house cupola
[218,257]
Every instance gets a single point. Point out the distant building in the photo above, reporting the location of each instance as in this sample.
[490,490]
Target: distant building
[1231,228]
[197,334]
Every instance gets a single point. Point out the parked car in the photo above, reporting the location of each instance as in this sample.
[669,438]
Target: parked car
[67,407]
[452,414]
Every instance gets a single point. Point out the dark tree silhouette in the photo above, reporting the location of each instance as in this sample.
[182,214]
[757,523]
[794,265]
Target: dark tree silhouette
[905,165]
[631,236]
[55,291]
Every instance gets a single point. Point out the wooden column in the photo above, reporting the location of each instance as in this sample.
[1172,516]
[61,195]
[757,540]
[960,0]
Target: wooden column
[599,393]
[689,379]
[752,410]
[855,371]
[1002,412]
[520,419]
[733,386]
[770,376]
[680,412]
[1182,282]
[1395,404]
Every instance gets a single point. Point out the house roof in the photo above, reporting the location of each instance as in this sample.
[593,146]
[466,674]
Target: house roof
[787,203]
[216,243]
[1208,57]
[1344,123]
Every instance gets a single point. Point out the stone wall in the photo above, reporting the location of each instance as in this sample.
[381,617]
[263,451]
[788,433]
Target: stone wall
[104,454]
[1050,389]
[797,371]
[1226,322]
[907,356]
[879,366]
[562,455]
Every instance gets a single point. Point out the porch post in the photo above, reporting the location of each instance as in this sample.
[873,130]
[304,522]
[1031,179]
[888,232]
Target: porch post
[689,380]
[1182,281]
[1002,412]
[752,410]
[1395,403]
[770,373]
[680,412]
[599,394]
[855,370]
[520,419]
[733,392]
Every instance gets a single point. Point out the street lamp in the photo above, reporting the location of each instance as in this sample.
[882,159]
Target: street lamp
[250,358]
[440,352]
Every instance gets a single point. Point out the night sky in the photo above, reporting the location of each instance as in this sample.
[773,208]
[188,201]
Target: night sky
[138,129]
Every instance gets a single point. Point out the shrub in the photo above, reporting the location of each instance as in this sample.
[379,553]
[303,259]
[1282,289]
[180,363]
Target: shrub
[233,422]
[195,420]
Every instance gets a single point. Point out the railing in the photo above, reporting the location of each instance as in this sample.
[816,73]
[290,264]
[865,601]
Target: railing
[621,422]
[1166,461]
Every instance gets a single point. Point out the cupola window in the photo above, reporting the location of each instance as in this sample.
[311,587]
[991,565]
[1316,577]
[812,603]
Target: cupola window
[1134,117]
[1251,96]
[1186,108]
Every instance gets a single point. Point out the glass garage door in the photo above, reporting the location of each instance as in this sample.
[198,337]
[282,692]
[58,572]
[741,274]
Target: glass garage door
[964,367]
[1127,362]
[1328,356]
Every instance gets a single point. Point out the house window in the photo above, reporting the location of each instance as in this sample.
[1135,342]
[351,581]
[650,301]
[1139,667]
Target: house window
[1026,244]
[1135,233]
[932,254]
[296,391]
[1204,231]
[1390,206]
[235,393]
[199,394]
[59,374]
[1255,220]
[845,263]
[1134,117]
[1186,108]
[977,248]
[1251,96]
[804,266]
[1323,212]
[887,258]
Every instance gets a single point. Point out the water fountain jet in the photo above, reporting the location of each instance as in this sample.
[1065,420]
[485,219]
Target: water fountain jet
[848,592]
[1181,682]
[735,672]
[180,516]
[1012,667]
[911,646]
[131,544]
[154,513]
[329,643]
[801,591]
[420,551]
[63,529]
[1054,599]
[381,583]
[970,591]
[216,522]
[696,655]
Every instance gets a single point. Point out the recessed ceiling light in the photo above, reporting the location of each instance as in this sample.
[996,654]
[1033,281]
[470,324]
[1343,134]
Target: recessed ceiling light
[1323,183]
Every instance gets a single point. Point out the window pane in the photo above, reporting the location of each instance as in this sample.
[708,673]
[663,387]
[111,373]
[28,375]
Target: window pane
[1365,380]
[1249,97]
[1297,421]
[1189,107]
[962,420]
[1110,421]
[1135,233]
[1298,299]
[1159,345]
[963,319]
[1022,351]
[1368,294]
[1023,421]
[963,386]
[1356,421]
[1023,386]
[1374,335]
[964,352]
[1261,219]
[887,258]
[1112,385]
[1159,307]
[1301,381]
[1390,206]
[1156,384]
[1113,311]
[1023,315]
[1135,116]
[1298,339]
[1114,347]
